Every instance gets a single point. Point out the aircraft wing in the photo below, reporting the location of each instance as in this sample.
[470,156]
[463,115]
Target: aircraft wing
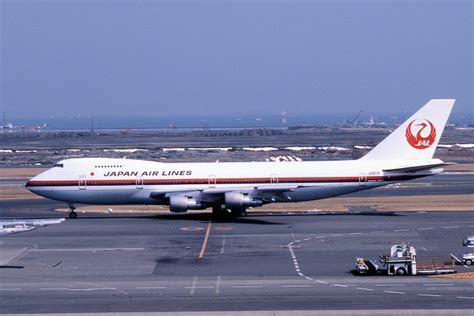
[213,193]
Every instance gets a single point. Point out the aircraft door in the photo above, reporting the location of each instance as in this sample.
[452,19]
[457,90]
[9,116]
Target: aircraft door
[139,183]
[363,179]
[212,181]
[82,182]
[274,178]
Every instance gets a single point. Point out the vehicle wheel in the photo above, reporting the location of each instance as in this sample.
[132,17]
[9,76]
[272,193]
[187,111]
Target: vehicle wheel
[468,262]
[401,271]
[72,214]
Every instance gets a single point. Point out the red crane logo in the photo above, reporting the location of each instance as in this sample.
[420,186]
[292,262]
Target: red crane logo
[424,137]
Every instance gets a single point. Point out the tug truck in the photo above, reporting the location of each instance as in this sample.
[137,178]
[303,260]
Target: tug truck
[404,261]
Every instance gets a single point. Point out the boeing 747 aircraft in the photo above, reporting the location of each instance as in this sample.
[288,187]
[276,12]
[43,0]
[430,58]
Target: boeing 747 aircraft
[232,187]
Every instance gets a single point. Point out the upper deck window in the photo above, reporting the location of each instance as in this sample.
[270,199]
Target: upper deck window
[60,165]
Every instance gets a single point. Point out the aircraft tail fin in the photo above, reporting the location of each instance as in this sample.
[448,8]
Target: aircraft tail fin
[418,136]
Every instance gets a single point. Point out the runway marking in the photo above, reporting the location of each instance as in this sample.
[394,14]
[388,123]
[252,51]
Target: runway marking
[439,284]
[466,297]
[355,233]
[85,249]
[193,286]
[430,295]
[206,237]
[322,282]
[426,228]
[11,289]
[339,285]
[389,285]
[218,284]
[247,286]
[150,287]
[53,288]
[364,289]
[223,228]
[295,285]
[424,248]
[191,229]
[401,230]
[223,244]
[335,235]
[447,227]
[94,289]
[394,292]
[306,239]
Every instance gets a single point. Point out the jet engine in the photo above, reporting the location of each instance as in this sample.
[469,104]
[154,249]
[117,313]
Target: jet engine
[237,200]
[180,204]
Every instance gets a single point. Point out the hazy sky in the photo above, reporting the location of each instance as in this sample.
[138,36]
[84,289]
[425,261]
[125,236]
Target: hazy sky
[100,57]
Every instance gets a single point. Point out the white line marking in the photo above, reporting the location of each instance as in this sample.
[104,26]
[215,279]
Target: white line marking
[466,297]
[394,292]
[424,248]
[318,237]
[322,282]
[53,289]
[339,285]
[223,245]
[150,287]
[200,287]
[439,284]
[11,289]
[430,295]
[401,230]
[364,289]
[290,285]
[425,228]
[94,289]
[447,227]
[389,285]
[297,240]
[306,239]
[218,284]
[193,286]
[247,286]
[355,233]
[308,278]
[88,249]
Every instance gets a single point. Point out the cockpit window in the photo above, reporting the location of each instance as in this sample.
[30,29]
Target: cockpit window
[60,165]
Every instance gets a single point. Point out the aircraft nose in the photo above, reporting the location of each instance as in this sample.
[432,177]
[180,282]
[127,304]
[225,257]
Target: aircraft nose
[30,184]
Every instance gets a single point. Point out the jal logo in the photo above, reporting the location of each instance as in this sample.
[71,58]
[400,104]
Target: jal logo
[420,134]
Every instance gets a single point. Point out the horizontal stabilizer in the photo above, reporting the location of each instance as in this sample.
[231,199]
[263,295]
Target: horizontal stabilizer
[418,168]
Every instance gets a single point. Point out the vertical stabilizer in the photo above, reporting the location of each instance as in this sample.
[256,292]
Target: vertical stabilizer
[418,136]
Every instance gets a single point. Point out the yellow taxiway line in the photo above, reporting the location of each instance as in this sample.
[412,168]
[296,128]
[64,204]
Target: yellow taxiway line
[206,237]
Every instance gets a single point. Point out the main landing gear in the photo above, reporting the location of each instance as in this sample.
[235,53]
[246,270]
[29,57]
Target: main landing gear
[221,212]
[72,213]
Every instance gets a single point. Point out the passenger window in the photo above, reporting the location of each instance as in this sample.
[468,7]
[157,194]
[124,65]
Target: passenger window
[60,165]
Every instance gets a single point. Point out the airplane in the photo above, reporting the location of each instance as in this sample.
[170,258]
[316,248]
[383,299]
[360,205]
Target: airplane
[233,187]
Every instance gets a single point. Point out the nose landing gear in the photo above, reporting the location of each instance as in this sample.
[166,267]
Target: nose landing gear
[72,213]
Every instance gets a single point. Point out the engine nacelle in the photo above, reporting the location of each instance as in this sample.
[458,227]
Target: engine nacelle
[237,200]
[180,204]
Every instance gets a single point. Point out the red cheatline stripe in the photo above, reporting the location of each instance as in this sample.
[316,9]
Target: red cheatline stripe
[194,180]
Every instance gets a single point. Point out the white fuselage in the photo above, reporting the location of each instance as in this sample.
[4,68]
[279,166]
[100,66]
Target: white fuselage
[124,181]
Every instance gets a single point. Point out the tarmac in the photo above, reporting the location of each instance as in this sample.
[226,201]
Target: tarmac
[263,262]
